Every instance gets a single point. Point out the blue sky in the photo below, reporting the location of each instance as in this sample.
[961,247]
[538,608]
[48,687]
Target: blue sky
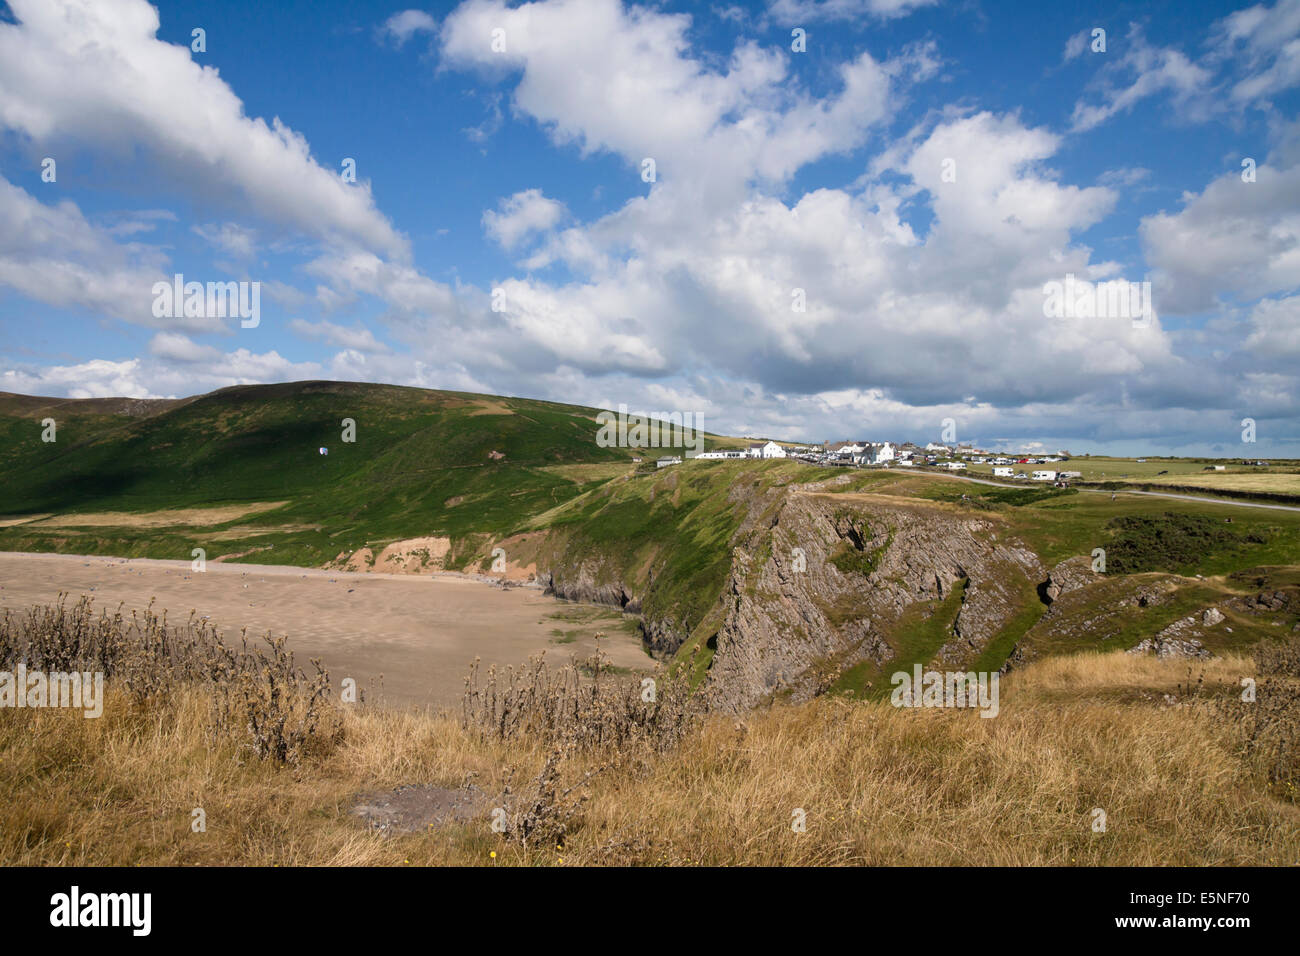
[921,172]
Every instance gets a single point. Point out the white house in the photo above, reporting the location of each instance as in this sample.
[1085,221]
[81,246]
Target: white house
[936,447]
[1003,471]
[1043,476]
[879,454]
[766,450]
[726,453]
[666,461]
[845,449]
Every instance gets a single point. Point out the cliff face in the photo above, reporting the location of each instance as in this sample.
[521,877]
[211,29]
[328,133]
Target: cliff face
[591,581]
[594,582]
[795,618]
[816,582]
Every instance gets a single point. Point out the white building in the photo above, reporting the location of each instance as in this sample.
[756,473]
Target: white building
[879,454]
[726,453]
[766,450]
[665,462]
[845,449]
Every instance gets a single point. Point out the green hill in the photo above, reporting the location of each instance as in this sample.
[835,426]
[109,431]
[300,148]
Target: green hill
[423,462]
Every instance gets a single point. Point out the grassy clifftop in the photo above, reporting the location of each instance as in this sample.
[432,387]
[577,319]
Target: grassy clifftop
[665,539]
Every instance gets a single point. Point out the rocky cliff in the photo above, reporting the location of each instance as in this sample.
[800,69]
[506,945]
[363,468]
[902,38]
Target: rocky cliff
[825,584]
[816,581]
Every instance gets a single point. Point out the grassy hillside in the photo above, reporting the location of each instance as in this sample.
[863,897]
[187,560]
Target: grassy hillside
[627,781]
[1186,537]
[423,462]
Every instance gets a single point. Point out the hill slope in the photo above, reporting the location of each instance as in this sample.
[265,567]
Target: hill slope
[422,462]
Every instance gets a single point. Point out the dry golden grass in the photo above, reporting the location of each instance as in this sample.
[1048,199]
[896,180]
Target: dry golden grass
[1094,676]
[1283,482]
[878,785]
[190,517]
[21,519]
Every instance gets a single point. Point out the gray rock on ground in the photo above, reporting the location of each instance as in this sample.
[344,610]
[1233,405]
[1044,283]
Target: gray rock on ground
[414,808]
[1176,640]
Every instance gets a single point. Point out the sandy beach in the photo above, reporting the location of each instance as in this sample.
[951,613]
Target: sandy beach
[419,632]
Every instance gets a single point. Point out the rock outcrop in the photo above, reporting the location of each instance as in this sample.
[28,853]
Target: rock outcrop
[1269,600]
[794,619]
[586,582]
[1166,647]
[1176,640]
[1070,575]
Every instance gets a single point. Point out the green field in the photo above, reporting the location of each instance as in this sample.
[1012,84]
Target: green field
[1163,470]
[1060,523]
